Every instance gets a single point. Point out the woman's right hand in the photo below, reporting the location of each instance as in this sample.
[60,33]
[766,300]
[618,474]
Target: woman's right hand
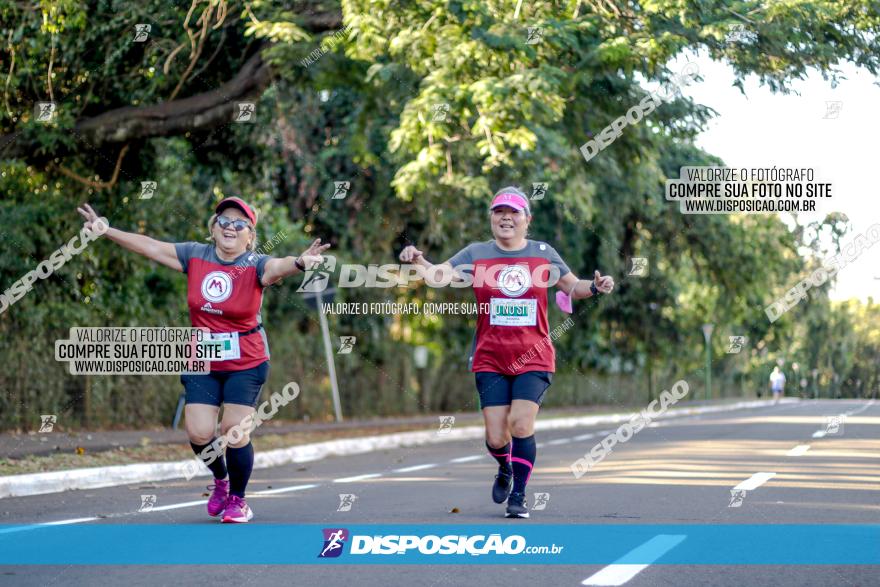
[410,254]
[159,251]
[92,219]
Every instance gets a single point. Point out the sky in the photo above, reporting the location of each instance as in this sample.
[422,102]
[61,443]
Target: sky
[763,129]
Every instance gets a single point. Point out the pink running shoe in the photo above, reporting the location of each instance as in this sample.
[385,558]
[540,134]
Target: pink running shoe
[237,511]
[217,501]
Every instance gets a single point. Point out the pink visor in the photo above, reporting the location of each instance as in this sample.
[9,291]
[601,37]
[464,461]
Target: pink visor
[515,201]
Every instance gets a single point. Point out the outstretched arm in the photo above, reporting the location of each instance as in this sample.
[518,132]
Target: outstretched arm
[158,251]
[433,274]
[579,289]
[281,267]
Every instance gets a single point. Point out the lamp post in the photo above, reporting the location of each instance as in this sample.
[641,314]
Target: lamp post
[316,300]
[328,354]
[815,389]
[707,334]
[420,361]
[653,306]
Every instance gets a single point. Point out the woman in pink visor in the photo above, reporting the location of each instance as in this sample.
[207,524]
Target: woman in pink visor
[512,357]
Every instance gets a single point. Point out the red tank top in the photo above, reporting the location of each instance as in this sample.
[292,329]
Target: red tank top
[225,297]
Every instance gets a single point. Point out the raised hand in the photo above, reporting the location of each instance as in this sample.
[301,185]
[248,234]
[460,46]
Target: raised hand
[312,257]
[91,218]
[409,254]
[605,284]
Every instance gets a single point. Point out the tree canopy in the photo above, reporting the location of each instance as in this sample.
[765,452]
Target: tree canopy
[425,109]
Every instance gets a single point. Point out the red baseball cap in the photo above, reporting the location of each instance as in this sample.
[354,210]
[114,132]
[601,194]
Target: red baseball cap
[511,199]
[237,203]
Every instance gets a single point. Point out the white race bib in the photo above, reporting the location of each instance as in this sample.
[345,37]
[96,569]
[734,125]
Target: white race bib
[510,312]
[228,343]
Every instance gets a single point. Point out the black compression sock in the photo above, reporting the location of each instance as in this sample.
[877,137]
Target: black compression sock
[523,460]
[502,455]
[241,463]
[217,466]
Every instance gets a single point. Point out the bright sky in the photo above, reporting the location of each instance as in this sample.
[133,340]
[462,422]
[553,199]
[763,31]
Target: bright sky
[762,129]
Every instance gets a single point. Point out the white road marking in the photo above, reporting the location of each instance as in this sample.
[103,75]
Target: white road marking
[584,436]
[284,489]
[187,504]
[162,508]
[415,468]
[620,571]
[755,481]
[71,521]
[466,459]
[175,506]
[44,524]
[559,441]
[824,433]
[799,450]
[357,478]
[860,410]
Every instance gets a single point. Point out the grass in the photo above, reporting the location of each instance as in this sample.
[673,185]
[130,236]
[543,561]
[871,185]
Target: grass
[152,453]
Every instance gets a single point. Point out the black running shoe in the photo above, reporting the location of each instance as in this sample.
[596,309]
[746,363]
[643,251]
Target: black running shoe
[503,485]
[517,506]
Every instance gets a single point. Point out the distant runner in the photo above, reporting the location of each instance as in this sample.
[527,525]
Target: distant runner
[777,383]
[512,358]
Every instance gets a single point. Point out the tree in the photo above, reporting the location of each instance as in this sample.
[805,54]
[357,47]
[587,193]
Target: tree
[423,108]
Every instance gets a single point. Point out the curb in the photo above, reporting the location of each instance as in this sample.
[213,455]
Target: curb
[97,477]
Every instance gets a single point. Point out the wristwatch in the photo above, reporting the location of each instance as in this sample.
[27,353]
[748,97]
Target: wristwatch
[299,264]
[593,289]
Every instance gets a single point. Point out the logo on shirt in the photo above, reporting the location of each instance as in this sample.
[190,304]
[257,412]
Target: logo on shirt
[216,286]
[514,280]
[210,309]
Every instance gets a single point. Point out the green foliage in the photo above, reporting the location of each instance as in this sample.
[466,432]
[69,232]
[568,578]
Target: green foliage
[425,108]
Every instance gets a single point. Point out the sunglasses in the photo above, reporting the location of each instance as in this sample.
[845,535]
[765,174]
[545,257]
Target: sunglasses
[238,225]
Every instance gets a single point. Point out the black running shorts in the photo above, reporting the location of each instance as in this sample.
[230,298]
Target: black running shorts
[496,389]
[230,387]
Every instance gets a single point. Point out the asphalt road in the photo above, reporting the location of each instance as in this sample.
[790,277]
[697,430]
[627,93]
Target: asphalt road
[678,471]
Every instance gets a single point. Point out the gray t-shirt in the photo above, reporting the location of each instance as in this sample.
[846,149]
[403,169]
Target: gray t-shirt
[511,291]
[490,250]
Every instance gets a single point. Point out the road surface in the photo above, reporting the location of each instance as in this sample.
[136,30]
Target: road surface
[794,468]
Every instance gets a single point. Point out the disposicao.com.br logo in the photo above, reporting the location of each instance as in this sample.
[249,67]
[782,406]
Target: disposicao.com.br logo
[430,544]
[334,540]
[513,279]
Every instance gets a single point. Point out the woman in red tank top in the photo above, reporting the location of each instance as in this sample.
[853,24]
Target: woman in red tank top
[225,285]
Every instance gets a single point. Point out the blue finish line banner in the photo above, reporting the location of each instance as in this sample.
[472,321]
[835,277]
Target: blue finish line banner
[527,543]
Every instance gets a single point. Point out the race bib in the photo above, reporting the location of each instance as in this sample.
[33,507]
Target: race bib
[508,312]
[228,344]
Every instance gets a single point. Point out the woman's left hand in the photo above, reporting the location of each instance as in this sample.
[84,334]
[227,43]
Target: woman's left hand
[312,257]
[605,284]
